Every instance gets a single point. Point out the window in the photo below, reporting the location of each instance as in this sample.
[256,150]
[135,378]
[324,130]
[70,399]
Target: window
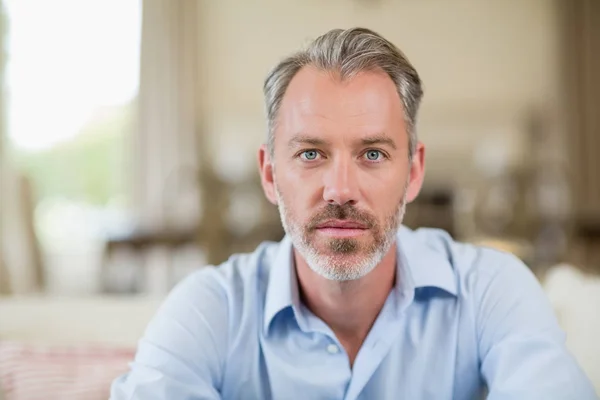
[72,81]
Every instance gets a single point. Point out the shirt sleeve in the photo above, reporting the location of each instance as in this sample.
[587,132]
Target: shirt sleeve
[182,351]
[522,348]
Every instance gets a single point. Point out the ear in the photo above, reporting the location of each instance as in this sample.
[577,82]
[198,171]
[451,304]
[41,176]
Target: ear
[417,173]
[266,169]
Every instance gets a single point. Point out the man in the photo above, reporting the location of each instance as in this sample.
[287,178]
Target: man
[350,304]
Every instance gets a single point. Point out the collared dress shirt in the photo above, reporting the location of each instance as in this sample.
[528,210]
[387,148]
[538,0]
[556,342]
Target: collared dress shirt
[461,322]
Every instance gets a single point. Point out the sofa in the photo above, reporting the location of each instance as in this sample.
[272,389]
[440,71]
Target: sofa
[68,348]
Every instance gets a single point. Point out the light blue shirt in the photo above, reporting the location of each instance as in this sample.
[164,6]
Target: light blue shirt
[459,318]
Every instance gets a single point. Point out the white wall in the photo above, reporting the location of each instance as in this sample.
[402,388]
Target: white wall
[483,65]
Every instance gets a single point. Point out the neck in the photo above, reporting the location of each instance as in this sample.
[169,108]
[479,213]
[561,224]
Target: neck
[349,308]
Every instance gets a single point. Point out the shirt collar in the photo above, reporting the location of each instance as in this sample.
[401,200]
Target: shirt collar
[426,260]
[419,265]
[282,286]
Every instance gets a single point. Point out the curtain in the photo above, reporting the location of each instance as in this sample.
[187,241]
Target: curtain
[165,147]
[21,269]
[4,284]
[21,257]
[581,58]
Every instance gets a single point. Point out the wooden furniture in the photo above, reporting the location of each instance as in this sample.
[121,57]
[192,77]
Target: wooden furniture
[433,208]
[586,245]
[215,236]
[138,243]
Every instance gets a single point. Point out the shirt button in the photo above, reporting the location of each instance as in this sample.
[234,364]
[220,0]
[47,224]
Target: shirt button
[332,349]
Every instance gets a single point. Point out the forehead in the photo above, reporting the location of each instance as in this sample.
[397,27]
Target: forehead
[320,103]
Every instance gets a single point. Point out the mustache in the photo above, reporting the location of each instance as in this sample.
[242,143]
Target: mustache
[343,212]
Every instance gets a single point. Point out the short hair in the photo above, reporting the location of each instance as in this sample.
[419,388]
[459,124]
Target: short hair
[347,52]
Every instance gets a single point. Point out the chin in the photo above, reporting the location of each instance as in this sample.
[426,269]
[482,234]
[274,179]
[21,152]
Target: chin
[342,268]
[344,260]
[358,243]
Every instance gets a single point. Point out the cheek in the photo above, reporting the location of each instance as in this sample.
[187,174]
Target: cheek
[289,194]
[383,190]
[300,185]
[296,203]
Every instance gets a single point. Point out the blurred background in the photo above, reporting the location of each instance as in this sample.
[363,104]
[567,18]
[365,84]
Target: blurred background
[128,139]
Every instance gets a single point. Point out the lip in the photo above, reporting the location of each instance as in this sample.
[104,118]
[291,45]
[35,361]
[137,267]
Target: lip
[342,228]
[342,224]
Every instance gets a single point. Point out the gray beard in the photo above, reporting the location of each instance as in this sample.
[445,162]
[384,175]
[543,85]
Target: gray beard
[341,265]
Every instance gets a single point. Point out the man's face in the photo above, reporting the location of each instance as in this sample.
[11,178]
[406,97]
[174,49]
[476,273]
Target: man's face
[341,174]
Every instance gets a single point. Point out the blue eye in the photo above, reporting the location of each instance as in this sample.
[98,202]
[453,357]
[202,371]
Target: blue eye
[310,155]
[373,155]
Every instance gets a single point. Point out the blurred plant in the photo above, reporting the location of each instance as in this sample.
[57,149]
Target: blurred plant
[89,168]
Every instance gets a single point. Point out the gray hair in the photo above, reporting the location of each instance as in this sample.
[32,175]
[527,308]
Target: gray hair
[347,52]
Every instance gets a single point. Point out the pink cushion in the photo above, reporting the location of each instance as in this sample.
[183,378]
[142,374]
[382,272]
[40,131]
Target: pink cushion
[31,372]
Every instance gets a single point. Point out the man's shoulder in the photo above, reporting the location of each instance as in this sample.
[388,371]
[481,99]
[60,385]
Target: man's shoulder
[472,264]
[218,295]
[239,275]
[242,265]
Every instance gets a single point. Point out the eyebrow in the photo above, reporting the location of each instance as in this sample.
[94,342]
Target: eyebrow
[380,139]
[306,140]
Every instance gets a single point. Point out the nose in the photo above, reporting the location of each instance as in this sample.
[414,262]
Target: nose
[340,183]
